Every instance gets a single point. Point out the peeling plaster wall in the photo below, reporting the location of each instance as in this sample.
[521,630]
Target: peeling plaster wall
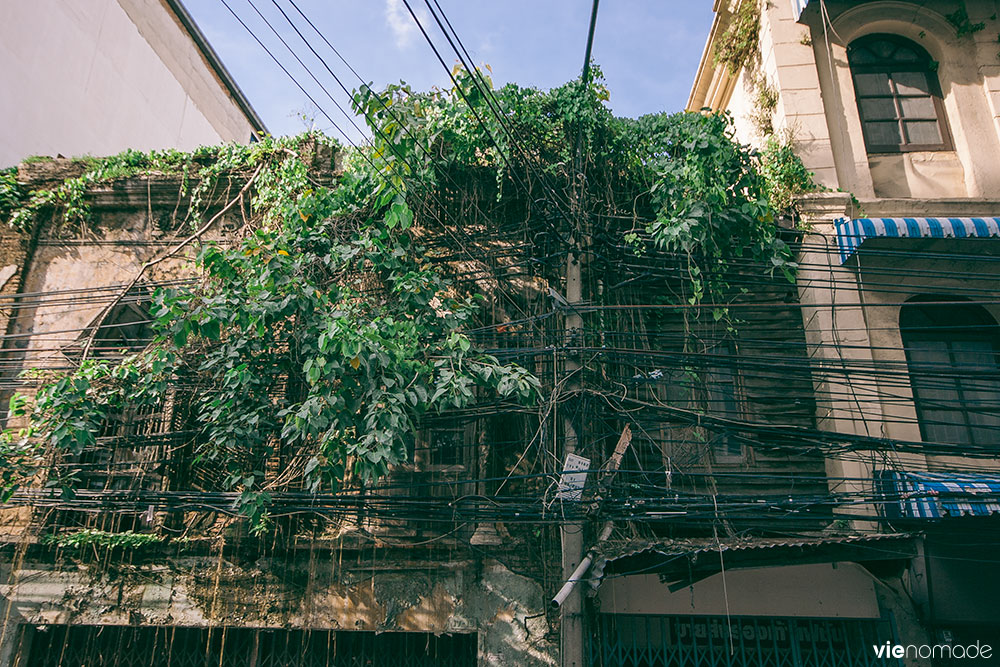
[445,597]
[138,221]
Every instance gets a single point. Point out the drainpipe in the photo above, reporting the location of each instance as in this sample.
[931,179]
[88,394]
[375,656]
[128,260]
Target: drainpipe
[580,570]
[570,584]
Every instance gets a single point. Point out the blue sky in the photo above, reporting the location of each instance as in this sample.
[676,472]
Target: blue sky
[648,49]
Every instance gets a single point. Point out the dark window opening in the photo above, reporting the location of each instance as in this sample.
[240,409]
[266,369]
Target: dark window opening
[444,442]
[724,399]
[898,95]
[710,386]
[171,646]
[131,447]
[125,329]
[953,357]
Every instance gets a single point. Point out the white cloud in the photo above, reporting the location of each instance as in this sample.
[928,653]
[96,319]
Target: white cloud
[401,23]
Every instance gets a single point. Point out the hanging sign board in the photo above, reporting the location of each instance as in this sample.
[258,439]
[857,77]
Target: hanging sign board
[573,478]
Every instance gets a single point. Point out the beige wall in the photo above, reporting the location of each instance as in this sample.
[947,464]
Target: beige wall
[806,61]
[99,76]
[851,320]
[848,324]
[824,591]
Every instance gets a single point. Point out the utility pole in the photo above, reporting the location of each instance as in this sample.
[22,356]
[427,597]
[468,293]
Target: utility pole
[571,610]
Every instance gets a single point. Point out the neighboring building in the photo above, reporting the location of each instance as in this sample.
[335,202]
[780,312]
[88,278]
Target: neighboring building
[94,77]
[894,107]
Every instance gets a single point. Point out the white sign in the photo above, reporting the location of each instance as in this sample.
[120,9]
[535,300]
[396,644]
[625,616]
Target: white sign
[572,480]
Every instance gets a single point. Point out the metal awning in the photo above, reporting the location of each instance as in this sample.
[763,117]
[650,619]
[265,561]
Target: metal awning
[852,233]
[797,7]
[682,560]
[928,495]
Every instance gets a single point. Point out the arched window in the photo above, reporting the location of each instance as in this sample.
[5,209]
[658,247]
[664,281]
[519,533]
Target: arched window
[125,328]
[953,356]
[898,95]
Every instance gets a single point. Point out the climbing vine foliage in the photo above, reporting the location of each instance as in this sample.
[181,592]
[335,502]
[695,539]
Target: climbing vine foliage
[323,335]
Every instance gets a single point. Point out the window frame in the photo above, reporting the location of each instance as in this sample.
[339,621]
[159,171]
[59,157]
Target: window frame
[947,333]
[923,66]
[724,383]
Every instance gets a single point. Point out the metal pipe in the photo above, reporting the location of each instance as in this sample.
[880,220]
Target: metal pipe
[567,588]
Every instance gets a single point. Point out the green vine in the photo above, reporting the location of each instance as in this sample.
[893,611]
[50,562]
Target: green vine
[765,101]
[330,328]
[784,175]
[711,200]
[11,196]
[964,27]
[202,166]
[82,539]
[737,46]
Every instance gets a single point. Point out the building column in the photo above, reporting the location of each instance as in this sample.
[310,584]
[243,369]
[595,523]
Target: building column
[839,348]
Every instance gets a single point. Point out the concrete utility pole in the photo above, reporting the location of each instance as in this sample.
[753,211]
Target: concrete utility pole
[571,611]
[571,616]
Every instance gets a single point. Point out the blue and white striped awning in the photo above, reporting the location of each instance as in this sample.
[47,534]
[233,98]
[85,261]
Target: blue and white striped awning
[928,495]
[797,7]
[852,233]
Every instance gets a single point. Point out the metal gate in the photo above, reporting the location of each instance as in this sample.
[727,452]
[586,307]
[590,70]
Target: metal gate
[171,646]
[738,641]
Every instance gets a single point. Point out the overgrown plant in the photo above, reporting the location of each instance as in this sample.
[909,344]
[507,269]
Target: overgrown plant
[710,200]
[101,538]
[328,329]
[784,175]
[198,170]
[10,192]
[765,101]
[964,27]
[328,301]
[737,46]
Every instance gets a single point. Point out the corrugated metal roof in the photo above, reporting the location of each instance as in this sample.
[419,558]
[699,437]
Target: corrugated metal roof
[609,552]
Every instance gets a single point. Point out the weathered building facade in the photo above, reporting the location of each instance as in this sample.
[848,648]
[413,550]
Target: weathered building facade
[704,512]
[389,576]
[892,106]
[795,474]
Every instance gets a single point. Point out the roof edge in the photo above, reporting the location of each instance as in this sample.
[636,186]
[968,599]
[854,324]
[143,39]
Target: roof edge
[711,79]
[216,64]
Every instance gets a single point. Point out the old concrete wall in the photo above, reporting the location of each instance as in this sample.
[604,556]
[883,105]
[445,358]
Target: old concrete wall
[339,583]
[784,62]
[786,51]
[99,76]
[505,609]
[855,322]
[806,61]
[978,275]
[135,224]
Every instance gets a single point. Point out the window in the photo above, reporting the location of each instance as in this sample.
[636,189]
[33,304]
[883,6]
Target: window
[723,399]
[899,99]
[126,328]
[712,386]
[953,356]
[131,447]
